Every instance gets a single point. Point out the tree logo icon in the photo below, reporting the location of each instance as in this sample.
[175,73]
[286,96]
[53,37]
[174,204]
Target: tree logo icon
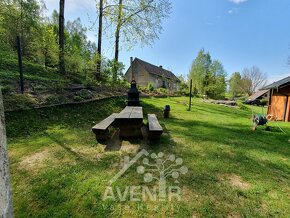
[159,167]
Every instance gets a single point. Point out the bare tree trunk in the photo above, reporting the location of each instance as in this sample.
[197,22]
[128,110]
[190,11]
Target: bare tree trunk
[99,62]
[117,39]
[61,36]
[5,193]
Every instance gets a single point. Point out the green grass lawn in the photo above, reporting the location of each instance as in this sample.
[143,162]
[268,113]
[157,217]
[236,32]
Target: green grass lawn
[58,169]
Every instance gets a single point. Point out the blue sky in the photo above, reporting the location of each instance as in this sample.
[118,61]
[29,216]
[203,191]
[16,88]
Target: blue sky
[239,33]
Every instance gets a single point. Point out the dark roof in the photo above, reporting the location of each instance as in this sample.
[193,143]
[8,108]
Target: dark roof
[159,71]
[258,94]
[278,84]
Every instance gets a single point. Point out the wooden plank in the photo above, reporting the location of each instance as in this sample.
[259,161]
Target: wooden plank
[104,124]
[137,113]
[153,123]
[125,113]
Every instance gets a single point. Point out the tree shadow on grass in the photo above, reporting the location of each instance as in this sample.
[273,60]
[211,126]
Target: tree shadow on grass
[21,124]
[234,135]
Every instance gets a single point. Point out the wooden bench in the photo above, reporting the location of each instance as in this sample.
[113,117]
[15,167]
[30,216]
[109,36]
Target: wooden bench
[101,129]
[155,129]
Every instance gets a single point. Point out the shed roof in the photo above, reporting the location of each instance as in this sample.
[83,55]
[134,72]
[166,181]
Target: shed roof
[258,94]
[159,71]
[278,84]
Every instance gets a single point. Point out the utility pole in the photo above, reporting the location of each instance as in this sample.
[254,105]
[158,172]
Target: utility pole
[190,95]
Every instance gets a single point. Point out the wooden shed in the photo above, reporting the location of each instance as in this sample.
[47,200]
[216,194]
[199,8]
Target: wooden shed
[279,101]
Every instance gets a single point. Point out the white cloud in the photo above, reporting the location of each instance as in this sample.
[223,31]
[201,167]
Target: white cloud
[238,1]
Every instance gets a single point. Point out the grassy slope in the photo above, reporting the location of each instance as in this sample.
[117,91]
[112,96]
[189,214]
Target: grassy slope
[59,170]
[9,71]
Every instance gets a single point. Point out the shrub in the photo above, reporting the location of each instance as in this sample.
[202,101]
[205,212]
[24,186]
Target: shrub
[162,90]
[85,94]
[78,98]
[19,101]
[150,87]
[6,89]
[55,99]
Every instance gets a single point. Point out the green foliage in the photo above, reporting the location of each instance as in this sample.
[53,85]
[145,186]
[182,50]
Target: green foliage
[78,98]
[108,69]
[6,89]
[208,76]
[85,94]
[162,90]
[80,53]
[49,46]
[39,37]
[18,101]
[55,99]
[183,86]
[150,87]
[27,25]
[140,21]
[234,84]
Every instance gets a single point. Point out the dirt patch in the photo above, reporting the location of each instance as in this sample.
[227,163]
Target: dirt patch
[195,215]
[35,159]
[130,147]
[235,181]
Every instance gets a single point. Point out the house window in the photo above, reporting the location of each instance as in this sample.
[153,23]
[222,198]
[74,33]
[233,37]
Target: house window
[163,84]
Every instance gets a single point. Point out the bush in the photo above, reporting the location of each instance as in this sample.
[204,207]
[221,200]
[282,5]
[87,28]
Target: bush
[150,87]
[162,90]
[85,94]
[19,101]
[6,89]
[55,99]
[242,106]
[78,98]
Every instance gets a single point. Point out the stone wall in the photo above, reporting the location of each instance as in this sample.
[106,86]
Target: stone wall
[5,194]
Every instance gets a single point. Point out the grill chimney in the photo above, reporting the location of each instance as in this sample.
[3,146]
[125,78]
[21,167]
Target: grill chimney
[133,93]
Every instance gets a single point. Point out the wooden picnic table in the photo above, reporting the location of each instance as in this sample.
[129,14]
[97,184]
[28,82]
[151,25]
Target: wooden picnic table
[130,121]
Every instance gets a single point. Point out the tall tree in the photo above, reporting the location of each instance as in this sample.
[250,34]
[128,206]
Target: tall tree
[208,76]
[100,33]
[117,38]
[252,79]
[61,36]
[200,70]
[137,21]
[48,46]
[217,82]
[235,84]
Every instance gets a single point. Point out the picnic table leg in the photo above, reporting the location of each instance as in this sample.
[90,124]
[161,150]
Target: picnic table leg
[127,131]
[102,136]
